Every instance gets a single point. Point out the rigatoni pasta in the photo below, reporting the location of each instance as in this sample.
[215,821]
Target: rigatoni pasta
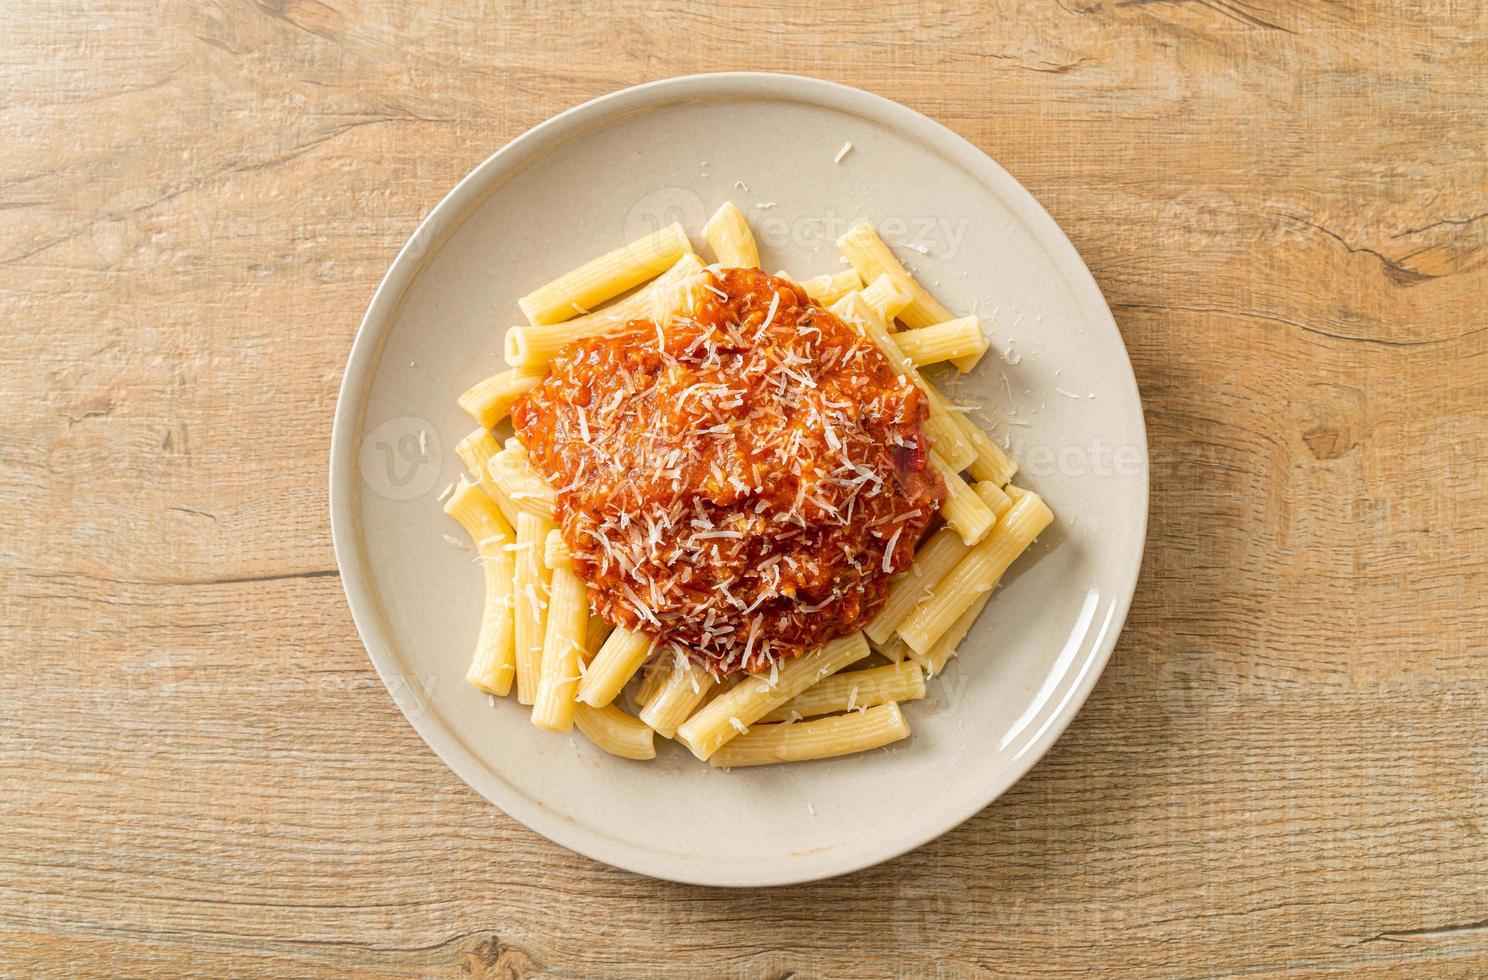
[517,482]
[872,258]
[993,496]
[578,292]
[555,552]
[615,731]
[563,649]
[977,573]
[599,631]
[887,299]
[530,348]
[943,649]
[958,340]
[531,600]
[936,557]
[654,673]
[585,636]
[490,400]
[988,461]
[893,649]
[493,666]
[820,738]
[729,236]
[475,451]
[733,712]
[854,690]
[829,288]
[614,665]
[683,690]
[963,509]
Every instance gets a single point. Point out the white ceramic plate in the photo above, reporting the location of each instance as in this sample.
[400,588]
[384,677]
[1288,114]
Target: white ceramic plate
[608,171]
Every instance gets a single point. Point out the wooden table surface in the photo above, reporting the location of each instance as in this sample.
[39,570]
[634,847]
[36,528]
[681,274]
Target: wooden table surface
[1284,769]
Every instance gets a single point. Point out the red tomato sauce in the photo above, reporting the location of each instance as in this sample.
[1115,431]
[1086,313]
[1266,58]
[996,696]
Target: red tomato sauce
[741,482]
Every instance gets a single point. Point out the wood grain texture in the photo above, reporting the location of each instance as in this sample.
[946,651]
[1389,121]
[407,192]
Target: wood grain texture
[1283,772]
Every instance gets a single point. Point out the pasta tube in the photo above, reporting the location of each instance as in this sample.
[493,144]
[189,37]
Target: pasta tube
[872,258]
[531,587]
[888,299]
[532,347]
[675,296]
[489,401]
[963,509]
[894,648]
[494,664]
[475,451]
[519,482]
[854,690]
[976,574]
[989,462]
[823,738]
[943,426]
[753,697]
[615,731]
[563,647]
[945,647]
[653,676]
[828,289]
[614,665]
[959,340]
[944,433]
[935,558]
[599,631]
[684,688]
[555,551]
[729,236]
[993,496]
[606,277]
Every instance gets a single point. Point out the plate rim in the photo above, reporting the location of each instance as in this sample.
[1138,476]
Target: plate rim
[382,312]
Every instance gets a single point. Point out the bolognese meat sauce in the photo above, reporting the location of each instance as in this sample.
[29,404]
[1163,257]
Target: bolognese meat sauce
[741,481]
